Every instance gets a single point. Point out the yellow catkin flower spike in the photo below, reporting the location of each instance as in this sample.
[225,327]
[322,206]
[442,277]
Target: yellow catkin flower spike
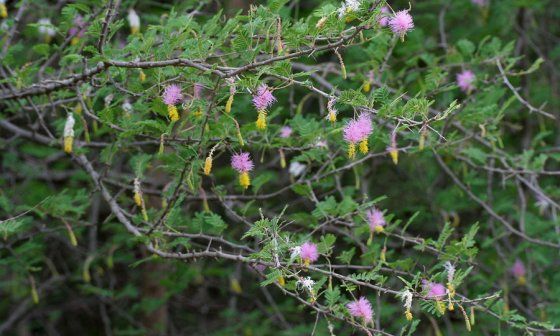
[282,159]
[72,237]
[235,286]
[367,86]
[34,294]
[208,165]
[142,76]
[364,146]
[522,280]
[244,180]
[69,133]
[74,40]
[78,108]
[173,113]
[228,104]
[306,262]
[351,150]
[3,11]
[332,116]
[422,140]
[144,214]
[261,120]
[138,199]
[321,23]
[394,155]
[240,138]
[440,306]
[161,145]
[379,229]
[68,141]
[408,315]
[281,281]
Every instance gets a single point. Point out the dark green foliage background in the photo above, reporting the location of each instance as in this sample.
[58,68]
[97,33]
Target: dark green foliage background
[111,283]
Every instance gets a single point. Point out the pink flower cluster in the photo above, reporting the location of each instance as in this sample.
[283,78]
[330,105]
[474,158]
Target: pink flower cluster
[359,129]
[361,308]
[401,23]
[172,94]
[434,290]
[77,29]
[384,20]
[465,80]
[263,98]
[375,219]
[518,269]
[285,132]
[242,162]
[308,252]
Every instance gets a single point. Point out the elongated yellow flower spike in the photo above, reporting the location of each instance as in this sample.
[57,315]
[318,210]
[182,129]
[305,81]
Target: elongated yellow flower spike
[261,120]
[332,116]
[173,113]
[332,111]
[281,281]
[208,165]
[139,200]
[228,104]
[422,140]
[3,11]
[142,76]
[244,180]
[232,90]
[364,146]
[351,150]
[69,133]
[367,86]
[282,159]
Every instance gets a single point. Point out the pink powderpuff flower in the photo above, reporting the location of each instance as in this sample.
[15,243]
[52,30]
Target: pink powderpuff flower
[361,308]
[242,162]
[353,132]
[77,29]
[384,20]
[434,290]
[172,94]
[465,80]
[376,220]
[263,98]
[308,252]
[364,122]
[518,269]
[285,132]
[401,23]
